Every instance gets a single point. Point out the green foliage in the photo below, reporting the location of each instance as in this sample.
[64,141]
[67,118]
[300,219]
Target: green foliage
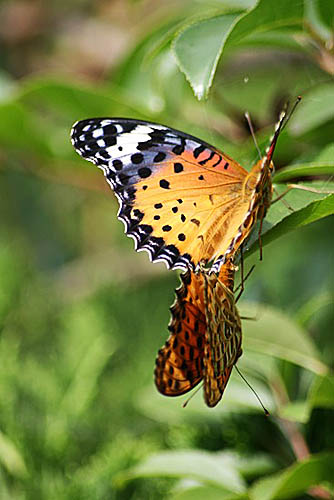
[82,315]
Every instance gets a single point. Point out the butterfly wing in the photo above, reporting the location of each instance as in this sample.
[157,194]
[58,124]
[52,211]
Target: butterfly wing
[180,199]
[179,364]
[257,190]
[205,339]
[223,333]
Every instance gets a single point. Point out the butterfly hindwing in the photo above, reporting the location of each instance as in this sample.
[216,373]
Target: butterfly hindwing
[179,364]
[223,335]
[205,340]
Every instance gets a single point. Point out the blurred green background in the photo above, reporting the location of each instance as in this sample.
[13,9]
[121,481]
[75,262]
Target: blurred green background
[82,315]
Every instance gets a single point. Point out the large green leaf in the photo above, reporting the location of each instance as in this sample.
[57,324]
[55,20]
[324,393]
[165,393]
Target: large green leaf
[207,492]
[214,468]
[326,155]
[274,333]
[308,206]
[305,170]
[199,47]
[295,480]
[266,16]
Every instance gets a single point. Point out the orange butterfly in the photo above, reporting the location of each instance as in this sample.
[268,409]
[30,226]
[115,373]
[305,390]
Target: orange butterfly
[182,200]
[205,339]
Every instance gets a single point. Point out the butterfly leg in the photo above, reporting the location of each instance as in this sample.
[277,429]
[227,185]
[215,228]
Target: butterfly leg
[310,189]
[242,280]
[259,235]
[297,186]
[241,284]
[281,197]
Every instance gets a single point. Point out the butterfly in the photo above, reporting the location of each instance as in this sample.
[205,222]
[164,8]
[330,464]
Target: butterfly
[205,336]
[181,200]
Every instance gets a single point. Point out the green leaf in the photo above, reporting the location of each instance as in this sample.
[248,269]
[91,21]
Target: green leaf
[313,305]
[327,154]
[274,333]
[316,108]
[321,393]
[296,479]
[266,16]
[304,170]
[207,492]
[198,49]
[248,466]
[308,206]
[278,38]
[215,468]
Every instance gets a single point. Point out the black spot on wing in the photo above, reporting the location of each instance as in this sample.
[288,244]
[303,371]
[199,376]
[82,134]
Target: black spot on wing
[159,157]
[144,172]
[178,167]
[137,158]
[118,164]
[164,184]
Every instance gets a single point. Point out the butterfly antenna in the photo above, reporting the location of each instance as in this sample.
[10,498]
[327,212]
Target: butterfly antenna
[297,101]
[282,121]
[250,125]
[192,395]
[266,412]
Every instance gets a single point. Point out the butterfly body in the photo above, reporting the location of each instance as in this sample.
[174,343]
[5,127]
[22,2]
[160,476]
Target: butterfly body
[182,200]
[205,339]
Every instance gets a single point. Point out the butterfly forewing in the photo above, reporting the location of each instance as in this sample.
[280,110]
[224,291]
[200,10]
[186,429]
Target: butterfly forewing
[181,200]
[179,197]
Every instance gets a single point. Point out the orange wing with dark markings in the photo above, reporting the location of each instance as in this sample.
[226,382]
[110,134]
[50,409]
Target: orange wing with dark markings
[181,199]
[205,339]
[179,364]
[223,333]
